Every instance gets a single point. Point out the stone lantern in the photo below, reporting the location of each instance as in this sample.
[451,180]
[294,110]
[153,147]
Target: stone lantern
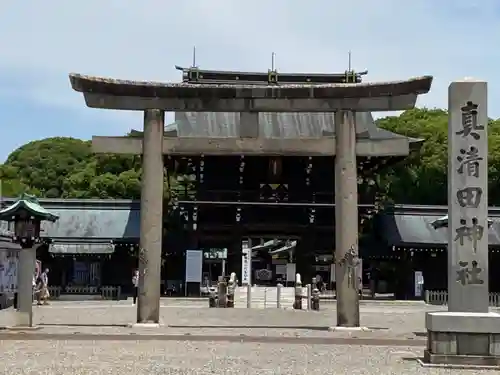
[25,216]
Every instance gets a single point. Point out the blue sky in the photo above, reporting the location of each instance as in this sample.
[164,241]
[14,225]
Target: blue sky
[394,39]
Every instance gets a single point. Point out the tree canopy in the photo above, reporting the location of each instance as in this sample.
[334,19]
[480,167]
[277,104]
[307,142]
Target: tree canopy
[422,177]
[67,168]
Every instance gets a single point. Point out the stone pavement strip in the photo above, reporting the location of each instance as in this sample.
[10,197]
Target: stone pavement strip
[397,321]
[93,338]
[394,321]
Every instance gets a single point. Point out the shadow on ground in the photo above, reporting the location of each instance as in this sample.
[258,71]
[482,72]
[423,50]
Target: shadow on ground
[241,338]
[310,328]
[80,325]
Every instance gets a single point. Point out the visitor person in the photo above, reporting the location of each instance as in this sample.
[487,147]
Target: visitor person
[135,284]
[33,288]
[43,288]
[320,285]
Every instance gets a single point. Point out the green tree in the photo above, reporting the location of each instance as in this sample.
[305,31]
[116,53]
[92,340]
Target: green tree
[67,168]
[422,177]
[42,166]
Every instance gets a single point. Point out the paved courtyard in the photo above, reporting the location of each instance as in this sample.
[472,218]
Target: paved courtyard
[93,338]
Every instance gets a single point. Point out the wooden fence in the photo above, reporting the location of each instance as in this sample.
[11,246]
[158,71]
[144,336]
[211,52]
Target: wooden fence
[440,297]
[106,292]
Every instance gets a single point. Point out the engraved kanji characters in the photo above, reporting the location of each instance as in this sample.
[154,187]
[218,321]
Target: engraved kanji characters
[469,197]
[469,161]
[470,124]
[473,233]
[469,276]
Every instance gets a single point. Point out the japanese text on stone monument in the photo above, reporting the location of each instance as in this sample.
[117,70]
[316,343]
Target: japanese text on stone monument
[470,230]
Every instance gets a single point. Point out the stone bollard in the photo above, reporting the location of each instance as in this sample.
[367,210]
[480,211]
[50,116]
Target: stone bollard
[249,296]
[231,289]
[278,295]
[297,304]
[315,299]
[308,296]
[222,292]
[212,299]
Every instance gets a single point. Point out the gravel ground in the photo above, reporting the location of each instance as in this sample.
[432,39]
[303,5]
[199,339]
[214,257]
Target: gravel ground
[159,357]
[306,345]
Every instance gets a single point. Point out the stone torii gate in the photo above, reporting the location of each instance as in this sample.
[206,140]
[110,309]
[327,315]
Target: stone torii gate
[344,99]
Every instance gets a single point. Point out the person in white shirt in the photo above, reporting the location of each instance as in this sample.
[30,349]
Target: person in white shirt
[33,286]
[43,287]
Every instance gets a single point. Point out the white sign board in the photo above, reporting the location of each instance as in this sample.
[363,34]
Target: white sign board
[246,267]
[359,270]
[419,283]
[332,273]
[281,269]
[194,263]
[290,272]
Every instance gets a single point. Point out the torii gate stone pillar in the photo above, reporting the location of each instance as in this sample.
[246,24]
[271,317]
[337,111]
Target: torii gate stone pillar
[151,227]
[344,99]
[346,220]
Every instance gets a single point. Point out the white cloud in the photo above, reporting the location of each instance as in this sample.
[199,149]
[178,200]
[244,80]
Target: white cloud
[393,39]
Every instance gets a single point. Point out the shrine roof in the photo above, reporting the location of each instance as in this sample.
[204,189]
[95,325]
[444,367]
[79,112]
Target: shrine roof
[94,220]
[274,125]
[414,226]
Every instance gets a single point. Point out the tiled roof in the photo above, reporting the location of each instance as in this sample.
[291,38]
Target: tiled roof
[92,220]
[416,229]
[271,125]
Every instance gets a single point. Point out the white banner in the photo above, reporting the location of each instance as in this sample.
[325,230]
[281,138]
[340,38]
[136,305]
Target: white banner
[281,269]
[290,272]
[419,283]
[359,274]
[194,263]
[332,273]
[246,267]
[359,269]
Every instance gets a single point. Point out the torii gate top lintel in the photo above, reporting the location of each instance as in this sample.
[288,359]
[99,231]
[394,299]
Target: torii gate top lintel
[110,93]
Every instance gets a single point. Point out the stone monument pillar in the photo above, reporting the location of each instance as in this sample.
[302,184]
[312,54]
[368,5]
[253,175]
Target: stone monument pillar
[468,198]
[468,334]
[151,227]
[346,220]
[27,261]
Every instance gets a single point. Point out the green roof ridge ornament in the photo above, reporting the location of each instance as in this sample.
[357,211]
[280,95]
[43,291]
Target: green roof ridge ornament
[29,197]
[30,204]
